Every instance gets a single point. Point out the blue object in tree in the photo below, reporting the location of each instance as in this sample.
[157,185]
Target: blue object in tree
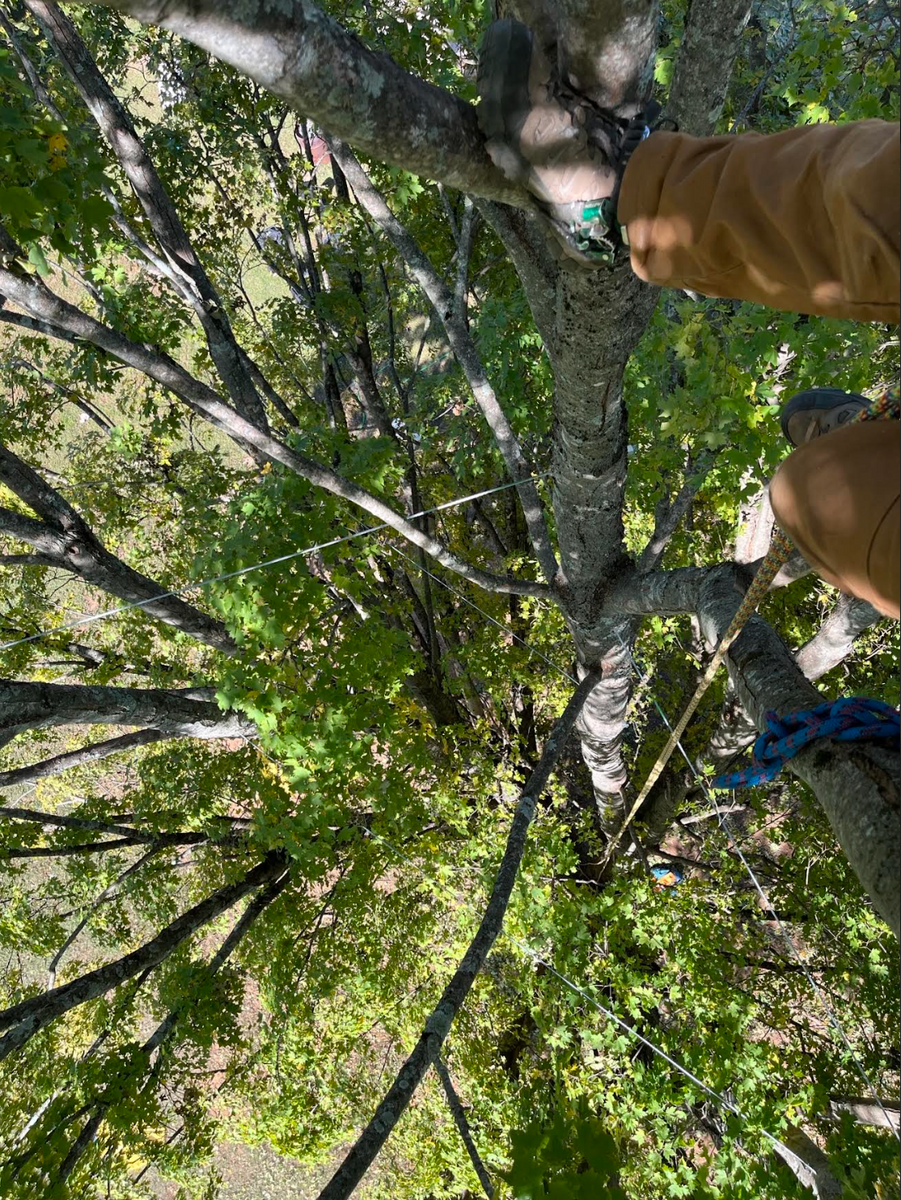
[666,876]
[848,720]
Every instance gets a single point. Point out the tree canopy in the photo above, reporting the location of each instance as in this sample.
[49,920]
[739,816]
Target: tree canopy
[384,549]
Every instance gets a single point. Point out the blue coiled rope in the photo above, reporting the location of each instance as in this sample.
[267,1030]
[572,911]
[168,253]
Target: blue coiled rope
[848,720]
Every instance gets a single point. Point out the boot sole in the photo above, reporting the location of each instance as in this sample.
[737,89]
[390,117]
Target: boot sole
[817,399]
[505,63]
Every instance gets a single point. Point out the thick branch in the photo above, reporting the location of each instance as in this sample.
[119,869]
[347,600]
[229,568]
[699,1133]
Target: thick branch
[298,52]
[26,1018]
[658,592]
[48,542]
[25,706]
[437,1027]
[526,241]
[32,294]
[33,325]
[883,1113]
[809,1164]
[834,640]
[453,320]
[712,38]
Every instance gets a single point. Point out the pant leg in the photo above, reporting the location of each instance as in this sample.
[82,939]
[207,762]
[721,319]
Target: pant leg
[806,220]
[839,499]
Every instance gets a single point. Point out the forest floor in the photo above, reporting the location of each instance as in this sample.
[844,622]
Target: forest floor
[258,1173]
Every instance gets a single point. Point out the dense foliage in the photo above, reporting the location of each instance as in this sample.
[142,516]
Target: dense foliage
[394,708]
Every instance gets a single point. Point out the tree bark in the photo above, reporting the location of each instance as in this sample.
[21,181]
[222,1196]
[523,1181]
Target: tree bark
[886,1114]
[834,640]
[713,30]
[607,50]
[65,821]
[302,55]
[25,706]
[809,1164]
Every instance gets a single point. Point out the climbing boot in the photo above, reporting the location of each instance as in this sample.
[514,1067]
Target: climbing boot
[812,413]
[567,151]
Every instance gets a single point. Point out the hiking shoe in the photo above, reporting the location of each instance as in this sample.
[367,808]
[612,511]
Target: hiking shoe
[810,414]
[569,153]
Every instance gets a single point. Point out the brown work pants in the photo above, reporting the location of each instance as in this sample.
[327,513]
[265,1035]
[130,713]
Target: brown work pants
[808,221]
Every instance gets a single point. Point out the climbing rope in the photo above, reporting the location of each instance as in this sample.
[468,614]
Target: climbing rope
[886,406]
[845,720]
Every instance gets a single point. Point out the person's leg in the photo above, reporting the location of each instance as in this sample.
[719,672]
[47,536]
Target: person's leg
[837,498]
[805,220]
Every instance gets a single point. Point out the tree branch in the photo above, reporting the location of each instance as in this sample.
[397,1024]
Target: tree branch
[63,821]
[712,38]
[809,1164]
[163,839]
[115,124]
[834,640]
[48,542]
[528,243]
[80,758]
[884,1113]
[301,54]
[391,1108]
[164,1030]
[459,1115]
[29,1016]
[464,253]
[25,706]
[30,293]
[453,321]
[671,518]
[69,542]
[608,49]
